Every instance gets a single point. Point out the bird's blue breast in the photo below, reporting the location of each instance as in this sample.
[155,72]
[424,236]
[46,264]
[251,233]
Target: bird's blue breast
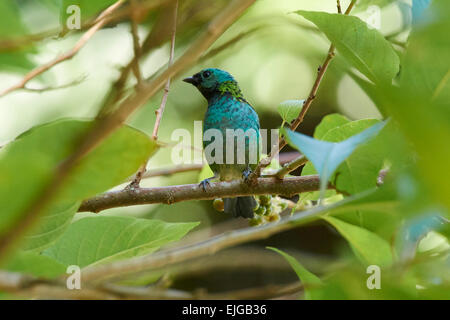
[227,112]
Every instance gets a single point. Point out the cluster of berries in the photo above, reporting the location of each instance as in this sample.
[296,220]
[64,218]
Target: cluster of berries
[267,210]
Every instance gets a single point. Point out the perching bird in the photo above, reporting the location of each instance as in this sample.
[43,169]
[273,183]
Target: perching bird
[227,109]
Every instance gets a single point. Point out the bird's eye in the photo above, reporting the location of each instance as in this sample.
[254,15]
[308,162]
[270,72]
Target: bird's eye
[206,74]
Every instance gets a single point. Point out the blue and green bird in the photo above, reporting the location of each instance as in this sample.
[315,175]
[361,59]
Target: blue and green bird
[228,109]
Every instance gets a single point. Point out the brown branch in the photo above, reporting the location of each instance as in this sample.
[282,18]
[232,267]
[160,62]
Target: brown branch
[100,22]
[106,126]
[136,44]
[64,86]
[164,172]
[291,166]
[212,245]
[339,8]
[159,112]
[172,194]
[230,42]
[306,105]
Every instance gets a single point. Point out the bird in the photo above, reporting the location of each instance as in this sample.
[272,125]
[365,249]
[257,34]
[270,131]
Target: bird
[229,111]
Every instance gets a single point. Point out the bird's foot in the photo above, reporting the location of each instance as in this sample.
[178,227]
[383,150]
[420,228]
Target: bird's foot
[246,175]
[205,183]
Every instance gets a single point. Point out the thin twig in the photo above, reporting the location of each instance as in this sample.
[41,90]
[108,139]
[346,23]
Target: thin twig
[159,112]
[172,194]
[291,166]
[136,44]
[339,8]
[164,172]
[104,127]
[64,86]
[306,105]
[100,22]
[230,42]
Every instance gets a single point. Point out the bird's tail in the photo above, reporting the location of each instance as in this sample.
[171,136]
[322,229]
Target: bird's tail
[240,206]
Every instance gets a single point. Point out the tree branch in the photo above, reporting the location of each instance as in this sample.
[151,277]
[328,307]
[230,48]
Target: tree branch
[228,239]
[291,166]
[136,44]
[164,172]
[159,112]
[171,194]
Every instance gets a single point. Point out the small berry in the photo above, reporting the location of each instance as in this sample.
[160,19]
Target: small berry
[272,218]
[255,222]
[260,211]
[265,199]
[218,205]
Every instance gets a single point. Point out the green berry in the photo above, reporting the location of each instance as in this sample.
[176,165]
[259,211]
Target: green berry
[255,221]
[265,199]
[218,205]
[260,211]
[272,218]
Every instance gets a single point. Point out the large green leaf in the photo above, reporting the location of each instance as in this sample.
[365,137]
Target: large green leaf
[421,106]
[11,27]
[28,163]
[367,246]
[327,156]
[310,281]
[360,170]
[35,264]
[52,226]
[328,122]
[366,49]
[101,239]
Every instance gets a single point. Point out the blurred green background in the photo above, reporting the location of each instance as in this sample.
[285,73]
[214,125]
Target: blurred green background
[275,62]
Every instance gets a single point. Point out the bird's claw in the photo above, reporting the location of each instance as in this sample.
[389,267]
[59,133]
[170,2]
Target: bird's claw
[246,174]
[205,183]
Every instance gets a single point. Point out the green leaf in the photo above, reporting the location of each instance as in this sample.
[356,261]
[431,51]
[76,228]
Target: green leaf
[306,277]
[11,27]
[28,163]
[51,227]
[421,106]
[205,173]
[366,49]
[360,170]
[290,109]
[35,264]
[329,122]
[102,239]
[367,246]
[327,156]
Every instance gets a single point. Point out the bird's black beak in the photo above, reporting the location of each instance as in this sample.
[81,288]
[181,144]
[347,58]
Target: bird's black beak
[191,80]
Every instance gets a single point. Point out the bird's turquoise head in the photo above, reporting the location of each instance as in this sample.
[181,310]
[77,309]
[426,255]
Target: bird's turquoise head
[211,82]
